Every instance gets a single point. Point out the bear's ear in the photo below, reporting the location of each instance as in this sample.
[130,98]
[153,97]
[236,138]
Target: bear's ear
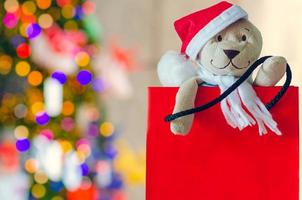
[174,68]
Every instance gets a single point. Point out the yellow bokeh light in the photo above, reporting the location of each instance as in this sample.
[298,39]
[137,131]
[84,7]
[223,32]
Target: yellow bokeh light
[68,11]
[82,156]
[31,166]
[106,129]
[82,59]
[84,148]
[71,25]
[11,5]
[35,78]
[66,146]
[37,107]
[57,198]
[22,29]
[40,177]
[21,132]
[45,21]
[38,191]
[43,4]
[22,68]
[68,108]
[5,64]
[29,8]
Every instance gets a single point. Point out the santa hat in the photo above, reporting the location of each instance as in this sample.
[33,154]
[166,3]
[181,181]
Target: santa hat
[197,28]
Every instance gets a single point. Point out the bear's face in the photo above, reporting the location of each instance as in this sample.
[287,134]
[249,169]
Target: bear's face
[232,50]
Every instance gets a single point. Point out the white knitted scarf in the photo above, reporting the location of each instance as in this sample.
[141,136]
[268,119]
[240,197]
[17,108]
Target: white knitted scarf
[231,106]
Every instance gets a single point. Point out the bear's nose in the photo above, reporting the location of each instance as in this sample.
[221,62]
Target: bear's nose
[231,53]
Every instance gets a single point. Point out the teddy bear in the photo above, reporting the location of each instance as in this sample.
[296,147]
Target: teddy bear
[219,44]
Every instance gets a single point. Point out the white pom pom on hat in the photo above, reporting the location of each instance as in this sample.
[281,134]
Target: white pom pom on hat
[174,68]
[197,28]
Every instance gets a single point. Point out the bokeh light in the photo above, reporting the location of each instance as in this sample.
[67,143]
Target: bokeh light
[68,108]
[29,8]
[22,68]
[78,13]
[60,76]
[42,118]
[56,186]
[85,169]
[38,191]
[23,145]
[57,198]
[106,129]
[23,50]
[33,30]
[62,3]
[84,148]
[40,177]
[65,145]
[98,85]
[45,21]
[31,165]
[22,29]
[43,4]
[35,78]
[88,7]
[81,155]
[20,111]
[5,64]
[68,11]
[67,124]
[17,40]
[82,59]
[21,132]
[47,133]
[28,19]
[70,25]
[84,77]
[11,5]
[10,20]
[37,107]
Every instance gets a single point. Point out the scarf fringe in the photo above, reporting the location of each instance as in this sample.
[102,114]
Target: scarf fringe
[232,109]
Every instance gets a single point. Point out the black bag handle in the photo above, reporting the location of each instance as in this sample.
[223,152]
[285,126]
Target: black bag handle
[233,87]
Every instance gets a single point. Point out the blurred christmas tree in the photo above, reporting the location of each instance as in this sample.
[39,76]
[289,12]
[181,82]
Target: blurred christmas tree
[50,102]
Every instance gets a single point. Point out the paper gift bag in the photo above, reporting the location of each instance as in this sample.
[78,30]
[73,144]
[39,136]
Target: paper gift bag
[215,161]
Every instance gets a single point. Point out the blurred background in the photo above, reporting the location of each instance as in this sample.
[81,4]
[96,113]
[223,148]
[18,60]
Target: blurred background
[73,88]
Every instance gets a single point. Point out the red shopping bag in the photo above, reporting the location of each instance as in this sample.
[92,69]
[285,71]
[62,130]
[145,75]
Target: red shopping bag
[215,161]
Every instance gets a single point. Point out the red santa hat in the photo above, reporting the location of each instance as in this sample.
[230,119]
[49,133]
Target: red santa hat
[197,28]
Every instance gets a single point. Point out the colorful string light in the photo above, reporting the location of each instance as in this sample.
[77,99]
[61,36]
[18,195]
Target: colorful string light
[22,68]
[60,76]
[45,21]
[106,129]
[38,191]
[23,145]
[33,30]
[21,132]
[10,20]
[35,78]
[23,51]
[42,118]
[24,23]
[5,64]
[84,77]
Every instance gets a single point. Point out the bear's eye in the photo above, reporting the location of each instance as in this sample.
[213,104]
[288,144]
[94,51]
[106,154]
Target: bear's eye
[243,38]
[219,38]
